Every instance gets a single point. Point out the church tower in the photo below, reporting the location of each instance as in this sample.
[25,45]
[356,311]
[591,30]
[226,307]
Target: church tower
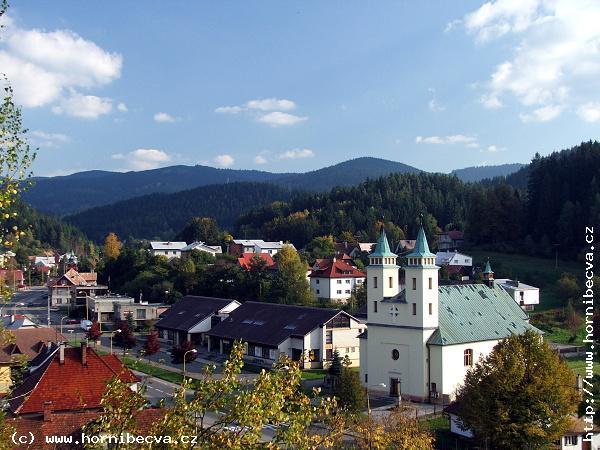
[488,274]
[382,274]
[421,281]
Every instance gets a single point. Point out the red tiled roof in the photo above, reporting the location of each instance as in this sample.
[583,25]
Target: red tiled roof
[336,268]
[454,234]
[28,342]
[245,260]
[69,386]
[76,278]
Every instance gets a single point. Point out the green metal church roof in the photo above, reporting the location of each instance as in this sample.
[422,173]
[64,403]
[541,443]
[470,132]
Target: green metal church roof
[421,246]
[476,312]
[382,249]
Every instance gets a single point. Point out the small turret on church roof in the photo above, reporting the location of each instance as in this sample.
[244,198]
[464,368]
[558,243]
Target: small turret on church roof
[488,268]
[421,246]
[382,249]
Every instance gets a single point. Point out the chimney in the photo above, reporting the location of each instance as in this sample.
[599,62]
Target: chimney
[61,353]
[84,353]
[47,411]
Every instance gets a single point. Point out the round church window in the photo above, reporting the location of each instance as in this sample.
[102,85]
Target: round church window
[395,354]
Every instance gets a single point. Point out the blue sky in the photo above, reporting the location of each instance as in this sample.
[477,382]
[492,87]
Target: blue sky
[295,86]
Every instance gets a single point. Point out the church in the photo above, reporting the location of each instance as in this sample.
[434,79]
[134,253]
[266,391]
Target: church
[421,340]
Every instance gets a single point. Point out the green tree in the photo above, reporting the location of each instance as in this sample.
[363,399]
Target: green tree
[568,286]
[520,396]
[290,285]
[335,368]
[203,229]
[321,247]
[349,390]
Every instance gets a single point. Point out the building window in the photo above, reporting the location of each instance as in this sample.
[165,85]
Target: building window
[391,281]
[433,387]
[431,309]
[571,440]
[339,281]
[414,306]
[339,291]
[318,291]
[313,355]
[140,314]
[347,281]
[430,283]
[375,306]
[395,355]
[258,351]
[414,284]
[366,377]
[468,358]
[328,337]
[375,282]
[272,354]
[318,281]
[347,291]
[329,354]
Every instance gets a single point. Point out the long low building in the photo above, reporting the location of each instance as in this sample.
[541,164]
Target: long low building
[305,334]
[190,318]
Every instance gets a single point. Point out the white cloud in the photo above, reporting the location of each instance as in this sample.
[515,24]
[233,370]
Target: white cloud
[556,60]
[433,104]
[83,106]
[590,112]
[44,66]
[279,119]
[271,104]
[48,140]
[261,157]
[229,109]
[122,107]
[144,158]
[469,141]
[494,149]
[543,114]
[224,160]
[297,153]
[163,117]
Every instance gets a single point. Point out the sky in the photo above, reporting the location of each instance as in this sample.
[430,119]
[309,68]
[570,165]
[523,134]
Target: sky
[295,86]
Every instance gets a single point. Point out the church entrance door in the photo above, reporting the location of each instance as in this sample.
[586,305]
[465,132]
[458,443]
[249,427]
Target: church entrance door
[395,387]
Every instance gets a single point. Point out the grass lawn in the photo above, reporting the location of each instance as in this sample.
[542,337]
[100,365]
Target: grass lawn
[440,428]
[313,374]
[158,372]
[577,365]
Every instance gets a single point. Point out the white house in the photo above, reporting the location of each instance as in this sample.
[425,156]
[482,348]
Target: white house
[448,258]
[334,279]
[201,247]
[305,334]
[525,295]
[169,249]
[422,340]
[240,246]
[190,318]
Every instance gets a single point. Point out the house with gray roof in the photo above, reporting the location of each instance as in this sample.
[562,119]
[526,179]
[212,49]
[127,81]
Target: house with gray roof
[305,334]
[423,339]
[190,318]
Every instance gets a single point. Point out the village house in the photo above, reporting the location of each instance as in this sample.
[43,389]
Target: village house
[73,288]
[25,345]
[525,295]
[238,247]
[246,260]
[334,279]
[190,318]
[169,250]
[80,373]
[17,322]
[200,247]
[106,309]
[305,334]
[12,278]
[450,240]
[448,258]
[422,340]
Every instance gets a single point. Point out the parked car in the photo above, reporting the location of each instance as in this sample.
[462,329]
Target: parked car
[71,321]
[86,324]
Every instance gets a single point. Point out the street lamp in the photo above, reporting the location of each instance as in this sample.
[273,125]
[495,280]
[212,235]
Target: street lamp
[61,323]
[184,355]
[111,338]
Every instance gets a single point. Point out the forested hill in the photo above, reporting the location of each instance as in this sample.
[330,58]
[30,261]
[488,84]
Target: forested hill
[84,190]
[479,173]
[163,215]
[563,196]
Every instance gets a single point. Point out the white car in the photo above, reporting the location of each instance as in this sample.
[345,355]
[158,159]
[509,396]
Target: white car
[85,324]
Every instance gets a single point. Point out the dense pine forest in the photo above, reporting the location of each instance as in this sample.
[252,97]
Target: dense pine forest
[562,195]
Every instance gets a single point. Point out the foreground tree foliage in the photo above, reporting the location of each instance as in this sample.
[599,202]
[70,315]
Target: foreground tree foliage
[226,413]
[520,396]
[398,431]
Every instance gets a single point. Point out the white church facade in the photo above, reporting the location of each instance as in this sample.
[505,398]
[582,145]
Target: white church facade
[421,341]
